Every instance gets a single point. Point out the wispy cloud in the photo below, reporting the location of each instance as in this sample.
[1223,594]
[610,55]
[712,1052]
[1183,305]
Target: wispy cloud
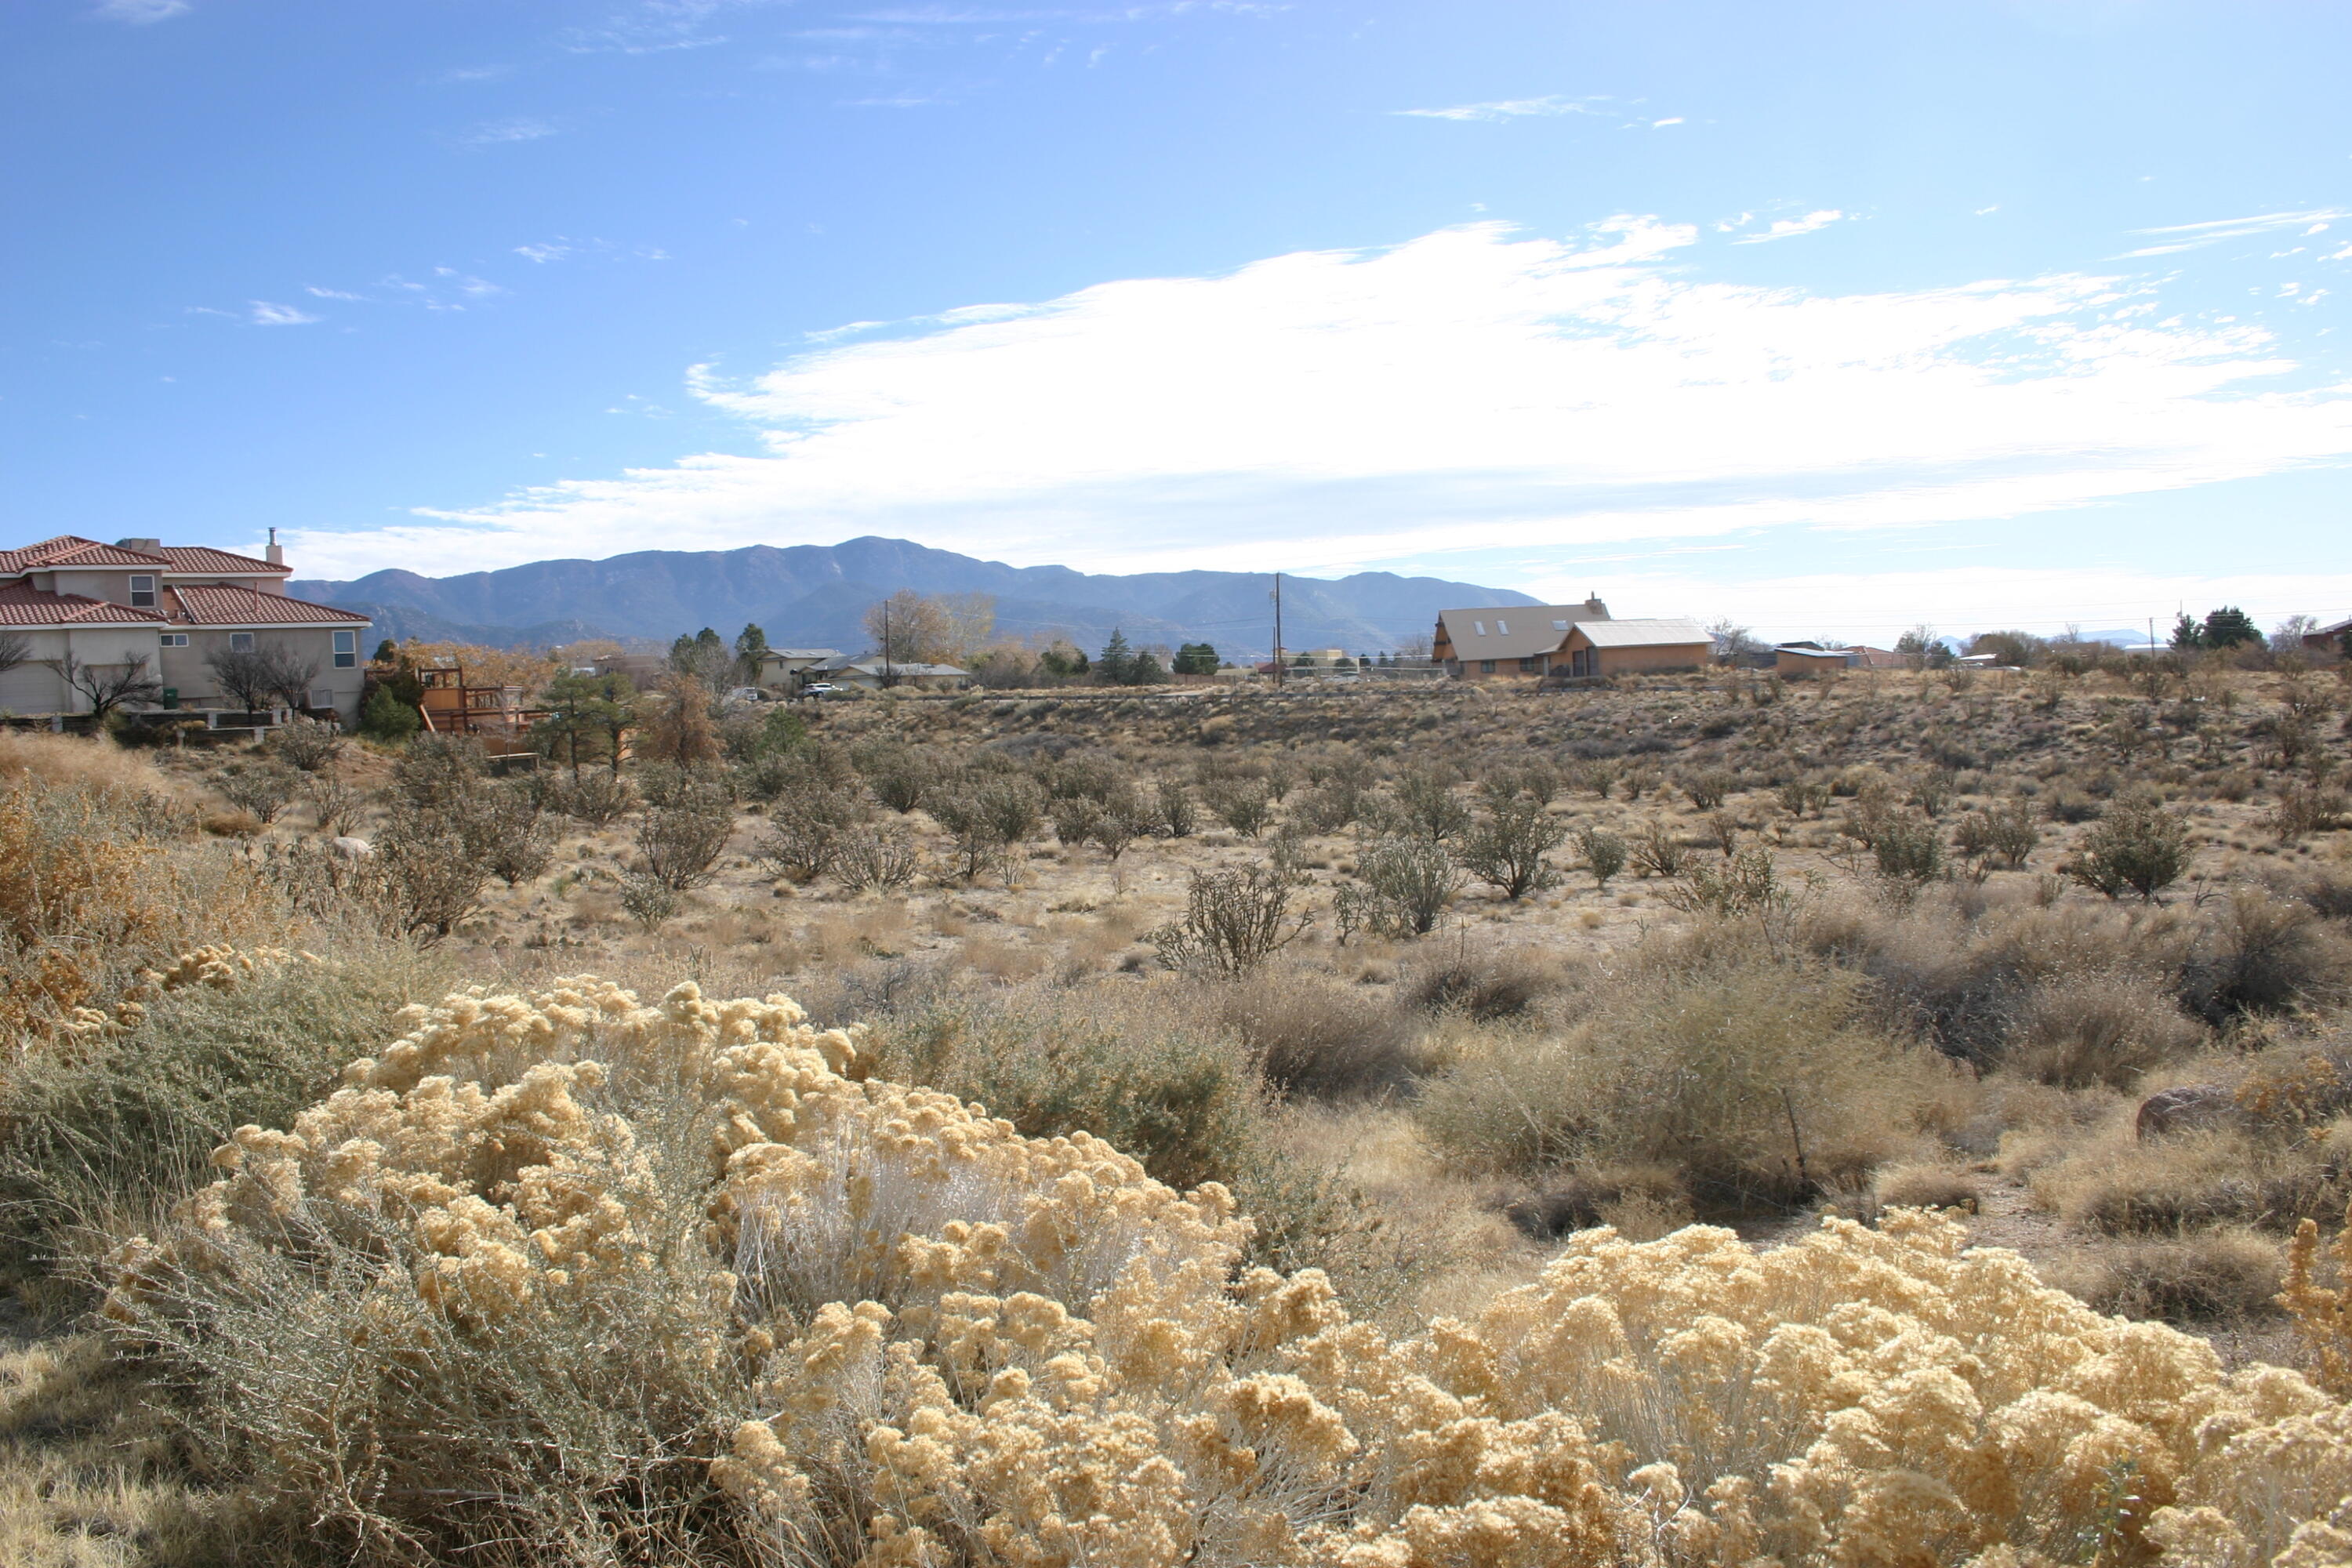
[140,12]
[1790,227]
[1474,386]
[523,128]
[459,76]
[554,251]
[317,292]
[2177,237]
[1517,109]
[268,313]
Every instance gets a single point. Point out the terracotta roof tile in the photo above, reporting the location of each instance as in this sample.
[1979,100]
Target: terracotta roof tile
[71,550]
[221,605]
[204,558]
[22,606]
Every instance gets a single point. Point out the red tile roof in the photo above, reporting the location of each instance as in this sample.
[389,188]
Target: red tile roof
[204,558]
[222,606]
[22,606]
[70,550]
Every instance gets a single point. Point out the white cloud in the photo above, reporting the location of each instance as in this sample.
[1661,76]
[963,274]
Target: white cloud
[1790,227]
[139,13]
[1662,124]
[314,290]
[1471,389]
[491,133]
[552,251]
[267,314]
[1513,109]
[2180,236]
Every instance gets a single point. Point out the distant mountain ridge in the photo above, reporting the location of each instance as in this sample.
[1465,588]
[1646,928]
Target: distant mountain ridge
[817,595]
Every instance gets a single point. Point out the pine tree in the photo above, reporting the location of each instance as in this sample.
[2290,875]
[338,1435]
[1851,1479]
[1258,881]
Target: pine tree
[1117,660]
[2186,636]
[750,649]
[2229,626]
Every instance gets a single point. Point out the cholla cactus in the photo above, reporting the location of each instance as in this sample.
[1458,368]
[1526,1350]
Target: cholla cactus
[896,1332]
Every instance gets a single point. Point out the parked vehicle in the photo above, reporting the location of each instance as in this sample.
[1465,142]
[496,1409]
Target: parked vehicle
[826,691]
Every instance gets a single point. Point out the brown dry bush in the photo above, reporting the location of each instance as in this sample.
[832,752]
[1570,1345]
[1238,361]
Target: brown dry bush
[1704,1051]
[1312,1035]
[2216,1276]
[1485,983]
[1927,1185]
[89,895]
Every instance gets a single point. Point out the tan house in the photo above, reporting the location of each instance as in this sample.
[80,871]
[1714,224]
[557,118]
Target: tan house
[87,614]
[1807,661]
[1528,642]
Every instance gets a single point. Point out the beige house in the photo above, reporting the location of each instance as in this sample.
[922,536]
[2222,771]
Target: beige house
[84,609]
[1528,642]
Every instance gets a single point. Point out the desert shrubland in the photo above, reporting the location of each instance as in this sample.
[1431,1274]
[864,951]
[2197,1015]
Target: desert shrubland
[570,1273]
[1280,1160]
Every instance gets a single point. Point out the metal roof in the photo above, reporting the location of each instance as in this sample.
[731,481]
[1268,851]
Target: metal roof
[1660,633]
[1512,631]
[21,604]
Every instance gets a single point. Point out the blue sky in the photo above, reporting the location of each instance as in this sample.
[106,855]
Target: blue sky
[1831,318]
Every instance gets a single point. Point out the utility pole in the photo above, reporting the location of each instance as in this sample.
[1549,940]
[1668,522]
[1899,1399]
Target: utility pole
[889,676]
[1278,673]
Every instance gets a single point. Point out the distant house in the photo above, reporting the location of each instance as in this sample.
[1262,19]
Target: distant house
[2328,639]
[786,668]
[1809,661]
[876,674]
[1532,641]
[83,605]
[642,668]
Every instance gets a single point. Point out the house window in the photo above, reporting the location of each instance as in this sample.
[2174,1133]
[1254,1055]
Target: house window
[142,592]
[347,651]
[322,698]
[1481,626]
[1529,666]
[1559,626]
[1503,628]
[240,642]
[1485,667]
[175,640]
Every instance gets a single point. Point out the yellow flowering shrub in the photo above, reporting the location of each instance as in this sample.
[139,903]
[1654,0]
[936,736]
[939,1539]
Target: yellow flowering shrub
[565,1246]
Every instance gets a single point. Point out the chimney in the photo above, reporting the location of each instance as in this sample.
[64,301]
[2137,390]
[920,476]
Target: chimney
[276,554]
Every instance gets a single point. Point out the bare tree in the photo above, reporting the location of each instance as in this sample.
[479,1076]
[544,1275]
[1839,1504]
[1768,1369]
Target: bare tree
[259,676]
[16,649]
[106,686]
[1732,641]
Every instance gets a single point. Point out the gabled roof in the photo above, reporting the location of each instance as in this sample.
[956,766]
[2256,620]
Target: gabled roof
[1660,633]
[221,604]
[71,550]
[802,653]
[204,558]
[1511,631]
[22,605]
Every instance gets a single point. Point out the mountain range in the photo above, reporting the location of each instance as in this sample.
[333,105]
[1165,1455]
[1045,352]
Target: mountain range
[815,596]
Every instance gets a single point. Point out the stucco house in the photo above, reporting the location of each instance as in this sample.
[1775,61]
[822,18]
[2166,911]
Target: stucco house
[1528,642]
[71,605]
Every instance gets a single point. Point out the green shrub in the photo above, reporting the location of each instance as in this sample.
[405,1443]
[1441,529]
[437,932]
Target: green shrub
[1403,886]
[387,718]
[1505,850]
[2136,844]
[104,1139]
